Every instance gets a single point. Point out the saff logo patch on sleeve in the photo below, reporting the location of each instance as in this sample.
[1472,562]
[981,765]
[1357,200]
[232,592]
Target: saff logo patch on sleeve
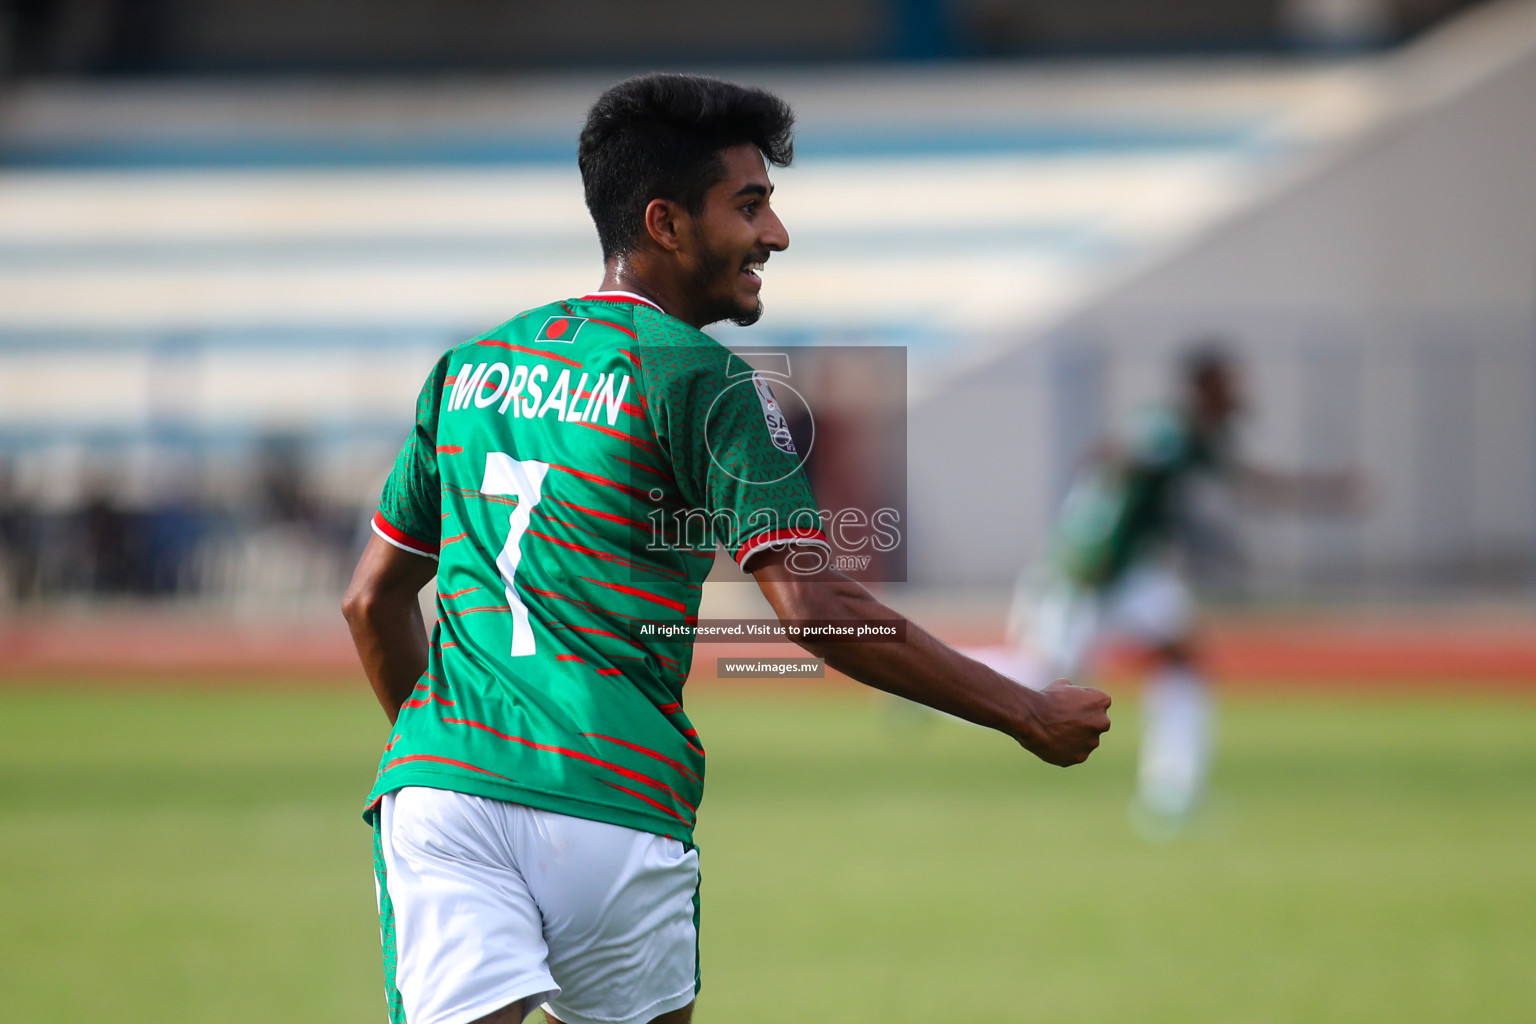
[778,425]
[561,328]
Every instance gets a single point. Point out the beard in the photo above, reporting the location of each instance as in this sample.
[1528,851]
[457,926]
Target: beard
[748,319]
[715,266]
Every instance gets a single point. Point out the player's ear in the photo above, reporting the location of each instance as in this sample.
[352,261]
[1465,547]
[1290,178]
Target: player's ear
[664,223]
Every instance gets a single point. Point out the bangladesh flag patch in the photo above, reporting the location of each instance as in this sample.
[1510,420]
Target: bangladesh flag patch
[561,328]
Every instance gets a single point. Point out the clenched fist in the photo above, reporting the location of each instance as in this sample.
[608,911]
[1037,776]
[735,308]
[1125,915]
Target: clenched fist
[1066,723]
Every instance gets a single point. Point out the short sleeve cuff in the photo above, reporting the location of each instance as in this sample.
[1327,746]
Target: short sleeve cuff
[401,539]
[772,539]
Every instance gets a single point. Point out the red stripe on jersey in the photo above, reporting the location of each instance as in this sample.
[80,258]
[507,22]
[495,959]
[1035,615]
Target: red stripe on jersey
[448,449]
[531,351]
[470,492]
[628,407]
[449,540]
[632,357]
[640,465]
[600,480]
[400,537]
[676,606]
[632,439]
[600,632]
[610,516]
[550,517]
[570,657]
[576,526]
[605,556]
[617,327]
[441,760]
[457,593]
[563,597]
[589,606]
[628,773]
[653,803]
[472,611]
[802,534]
[663,758]
[422,702]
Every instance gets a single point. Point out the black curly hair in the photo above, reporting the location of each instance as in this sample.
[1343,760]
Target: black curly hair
[659,136]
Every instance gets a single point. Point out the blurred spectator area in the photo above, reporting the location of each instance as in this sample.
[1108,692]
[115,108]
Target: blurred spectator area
[208,290]
[252,524]
[218,297]
[95,36]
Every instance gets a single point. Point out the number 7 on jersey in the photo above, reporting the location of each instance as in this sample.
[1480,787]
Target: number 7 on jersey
[524,480]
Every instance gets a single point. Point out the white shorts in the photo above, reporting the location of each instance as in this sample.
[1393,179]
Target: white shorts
[489,902]
[1063,622]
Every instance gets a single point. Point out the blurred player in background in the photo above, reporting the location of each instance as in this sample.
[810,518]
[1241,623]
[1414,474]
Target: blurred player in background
[535,803]
[1133,522]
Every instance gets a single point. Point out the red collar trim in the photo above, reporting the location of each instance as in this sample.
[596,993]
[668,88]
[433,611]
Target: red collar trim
[621,297]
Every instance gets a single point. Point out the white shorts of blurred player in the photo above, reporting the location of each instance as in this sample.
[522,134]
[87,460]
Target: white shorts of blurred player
[1066,624]
[494,902]
[1057,627]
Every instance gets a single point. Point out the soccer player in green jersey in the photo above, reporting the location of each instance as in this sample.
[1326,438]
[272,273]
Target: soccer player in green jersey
[1126,531]
[535,802]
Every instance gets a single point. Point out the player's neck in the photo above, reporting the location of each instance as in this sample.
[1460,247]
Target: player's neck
[638,278]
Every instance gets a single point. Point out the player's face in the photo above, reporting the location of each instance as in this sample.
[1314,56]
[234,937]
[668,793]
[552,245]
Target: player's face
[732,239]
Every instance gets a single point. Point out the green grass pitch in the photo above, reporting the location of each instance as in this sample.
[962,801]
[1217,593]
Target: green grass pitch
[180,857]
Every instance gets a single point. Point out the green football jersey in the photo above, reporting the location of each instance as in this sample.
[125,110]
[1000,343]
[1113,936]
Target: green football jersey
[1118,512]
[573,471]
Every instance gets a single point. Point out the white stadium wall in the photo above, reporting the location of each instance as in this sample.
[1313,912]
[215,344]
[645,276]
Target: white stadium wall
[1384,305]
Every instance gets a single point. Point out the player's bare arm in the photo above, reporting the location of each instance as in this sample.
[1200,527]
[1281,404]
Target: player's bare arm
[382,611]
[1060,724]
